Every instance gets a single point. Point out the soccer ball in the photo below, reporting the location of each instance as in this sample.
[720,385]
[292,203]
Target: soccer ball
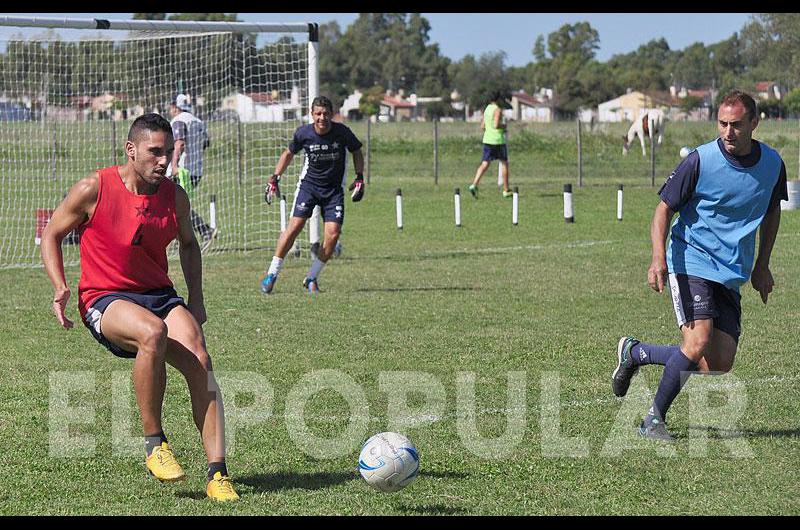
[685,152]
[388,462]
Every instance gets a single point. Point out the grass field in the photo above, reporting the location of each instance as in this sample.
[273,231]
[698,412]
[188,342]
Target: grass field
[544,301]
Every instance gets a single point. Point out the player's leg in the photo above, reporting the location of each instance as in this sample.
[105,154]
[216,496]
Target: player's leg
[486,158]
[332,205]
[305,199]
[696,308]
[285,242]
[186,351]
[504,171]
[133,328]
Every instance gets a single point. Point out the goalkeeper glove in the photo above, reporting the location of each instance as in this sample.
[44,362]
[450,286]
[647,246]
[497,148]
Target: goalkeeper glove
[272,189]
[357,187]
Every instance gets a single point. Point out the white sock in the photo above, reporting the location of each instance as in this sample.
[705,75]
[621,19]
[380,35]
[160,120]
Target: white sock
[316,268]
[276,265]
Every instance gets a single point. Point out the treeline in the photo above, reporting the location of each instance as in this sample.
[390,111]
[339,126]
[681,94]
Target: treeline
[393,51]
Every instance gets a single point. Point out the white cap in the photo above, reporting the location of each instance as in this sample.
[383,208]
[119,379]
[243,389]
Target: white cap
[182,102]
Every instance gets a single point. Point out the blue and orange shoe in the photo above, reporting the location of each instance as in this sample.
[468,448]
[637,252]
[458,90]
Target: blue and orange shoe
[311,284]
[268,283]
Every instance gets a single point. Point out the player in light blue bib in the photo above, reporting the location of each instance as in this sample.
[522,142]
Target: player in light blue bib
[723,192]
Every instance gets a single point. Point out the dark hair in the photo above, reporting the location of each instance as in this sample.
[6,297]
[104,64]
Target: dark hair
[322,101]
[745,99]
[148,122]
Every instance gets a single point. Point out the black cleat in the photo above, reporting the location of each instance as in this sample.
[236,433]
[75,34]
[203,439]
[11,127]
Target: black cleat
[621,377]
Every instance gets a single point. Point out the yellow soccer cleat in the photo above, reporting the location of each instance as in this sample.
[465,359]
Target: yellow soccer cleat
[162,464]
[220,488]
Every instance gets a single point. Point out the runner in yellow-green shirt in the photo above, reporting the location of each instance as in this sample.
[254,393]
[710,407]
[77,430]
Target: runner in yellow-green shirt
[494,143]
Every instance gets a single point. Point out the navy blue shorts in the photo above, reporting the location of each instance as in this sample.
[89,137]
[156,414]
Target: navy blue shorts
[494,152]
[330,200]
[699,299]
[158,301]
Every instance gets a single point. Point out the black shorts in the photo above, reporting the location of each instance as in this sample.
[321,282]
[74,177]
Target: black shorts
[494,152]
[159,301]
[699,299]
[330,200]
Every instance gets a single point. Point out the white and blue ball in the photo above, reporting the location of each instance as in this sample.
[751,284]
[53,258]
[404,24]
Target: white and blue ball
[685,152]
[388,462]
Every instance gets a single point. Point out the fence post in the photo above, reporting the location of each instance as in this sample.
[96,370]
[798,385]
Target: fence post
[652,162]
[580,155]
[113,142]
[369,157]
[239,153]
[435,151]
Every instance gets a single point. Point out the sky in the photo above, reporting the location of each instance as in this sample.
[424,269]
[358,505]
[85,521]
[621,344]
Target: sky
[459,34]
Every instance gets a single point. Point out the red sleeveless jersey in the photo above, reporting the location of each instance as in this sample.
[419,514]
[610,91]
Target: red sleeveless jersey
[123,245]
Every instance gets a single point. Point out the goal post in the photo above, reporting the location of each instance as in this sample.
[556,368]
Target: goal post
[69,93]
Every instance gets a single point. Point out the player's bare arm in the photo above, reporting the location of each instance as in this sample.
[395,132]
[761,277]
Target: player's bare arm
[284,161]
[189,252]
[76,208]
[498,119]
[180,146]
[358,162]
[657,273]
[761,278]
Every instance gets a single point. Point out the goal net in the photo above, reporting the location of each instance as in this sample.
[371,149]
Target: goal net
[68,97]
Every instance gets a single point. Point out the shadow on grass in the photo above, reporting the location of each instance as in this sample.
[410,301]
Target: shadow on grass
[727,434]
[405,289]
[289,481]
[433,509]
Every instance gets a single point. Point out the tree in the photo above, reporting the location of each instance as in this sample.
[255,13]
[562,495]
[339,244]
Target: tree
[571,47]
[370,102]
[792,101]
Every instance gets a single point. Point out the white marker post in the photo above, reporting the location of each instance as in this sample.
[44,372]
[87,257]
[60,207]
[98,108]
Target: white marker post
[313,226]
[212,208]
[457,200]
[283,213]
[569,215]
[619,203]
[399,202]
[515,206]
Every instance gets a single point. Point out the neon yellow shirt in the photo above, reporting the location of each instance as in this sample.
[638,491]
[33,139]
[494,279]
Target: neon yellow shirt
[492,135]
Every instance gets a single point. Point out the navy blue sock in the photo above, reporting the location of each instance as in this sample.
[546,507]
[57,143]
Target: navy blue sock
[213,467]
[152,441]
[676,372]
[644,353]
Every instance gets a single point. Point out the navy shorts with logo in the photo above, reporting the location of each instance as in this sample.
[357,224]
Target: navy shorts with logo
[494,152]
[158,301]
[699,299]
[329,199]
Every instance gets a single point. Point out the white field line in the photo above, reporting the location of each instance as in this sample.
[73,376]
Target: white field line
[575,404]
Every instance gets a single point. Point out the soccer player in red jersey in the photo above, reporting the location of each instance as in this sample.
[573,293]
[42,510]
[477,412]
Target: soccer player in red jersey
[126,216]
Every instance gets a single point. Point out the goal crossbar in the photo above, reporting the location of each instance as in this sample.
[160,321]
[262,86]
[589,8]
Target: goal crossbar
[158,25]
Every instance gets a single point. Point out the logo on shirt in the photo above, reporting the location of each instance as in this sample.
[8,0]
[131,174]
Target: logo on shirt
[142,211]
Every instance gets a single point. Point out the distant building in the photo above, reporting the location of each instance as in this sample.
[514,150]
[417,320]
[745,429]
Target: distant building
[264,106]
[767,90]
[395,108]
[626,107]
[536,107]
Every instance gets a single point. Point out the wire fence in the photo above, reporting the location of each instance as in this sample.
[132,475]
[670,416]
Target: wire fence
[546,154]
